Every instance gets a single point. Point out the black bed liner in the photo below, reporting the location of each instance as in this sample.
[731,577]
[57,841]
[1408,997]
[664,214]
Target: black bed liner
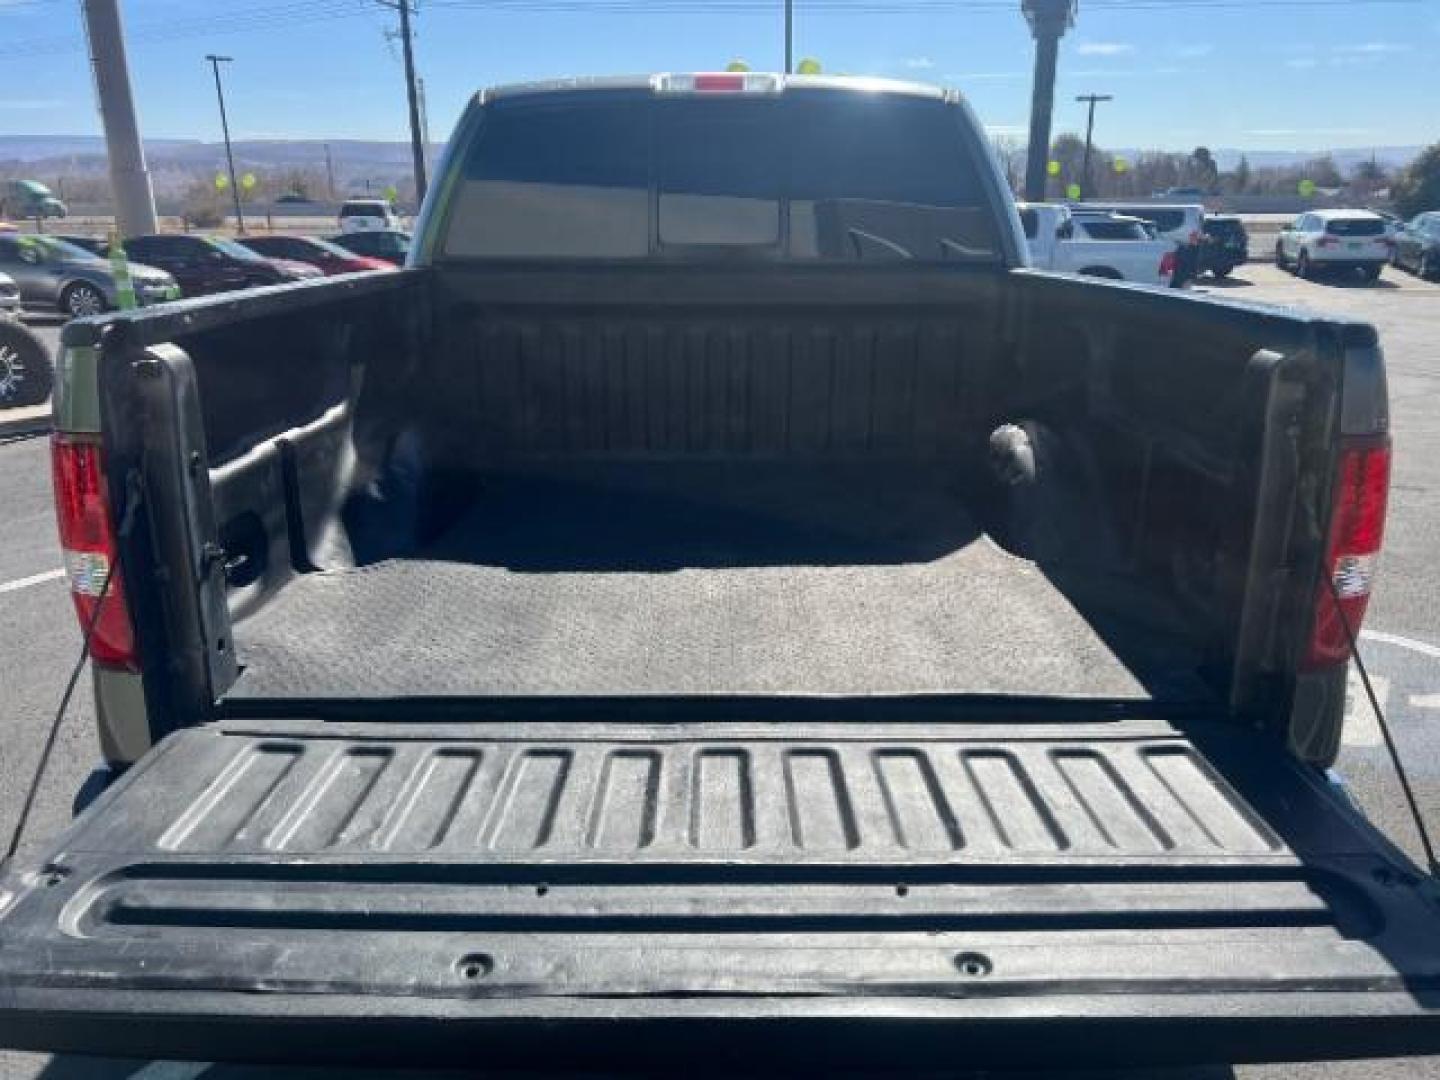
[572,892]
[655,579]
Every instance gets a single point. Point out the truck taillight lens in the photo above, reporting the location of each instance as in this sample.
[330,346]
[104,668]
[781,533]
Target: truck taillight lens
[1167,265]
[87,541]
[1357,526]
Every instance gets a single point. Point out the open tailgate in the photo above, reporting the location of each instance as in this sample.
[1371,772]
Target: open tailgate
[906,894]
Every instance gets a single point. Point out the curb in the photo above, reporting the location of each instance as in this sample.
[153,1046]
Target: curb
[34,420]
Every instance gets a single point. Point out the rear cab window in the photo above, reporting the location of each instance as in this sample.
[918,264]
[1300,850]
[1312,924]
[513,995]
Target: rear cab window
[1357,227]
[362,209]
[1100,229]
[808,175]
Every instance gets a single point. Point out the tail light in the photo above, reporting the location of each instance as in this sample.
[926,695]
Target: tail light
[87,540]
[1326,241]
[1167,265]
[1357,525]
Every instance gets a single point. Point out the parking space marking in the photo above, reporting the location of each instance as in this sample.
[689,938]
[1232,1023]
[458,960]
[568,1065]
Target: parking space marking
[1424,649]
[33,579]
[1362,726]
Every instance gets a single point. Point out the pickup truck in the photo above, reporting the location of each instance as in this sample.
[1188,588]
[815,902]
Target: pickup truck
[1095,245]
[717,607]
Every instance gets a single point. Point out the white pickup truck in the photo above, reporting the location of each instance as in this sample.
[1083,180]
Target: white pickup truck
[1099,244]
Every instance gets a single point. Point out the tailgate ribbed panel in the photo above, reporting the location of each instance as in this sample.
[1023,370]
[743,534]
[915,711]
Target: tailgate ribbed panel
[703,801]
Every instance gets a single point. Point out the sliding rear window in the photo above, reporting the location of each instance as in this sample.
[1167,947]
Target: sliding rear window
[1355,227]
[806,175]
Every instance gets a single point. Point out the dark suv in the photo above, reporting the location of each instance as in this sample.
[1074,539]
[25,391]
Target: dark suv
[203,264]
[1224,246]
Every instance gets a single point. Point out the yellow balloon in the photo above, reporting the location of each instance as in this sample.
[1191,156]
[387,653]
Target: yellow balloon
[1121,164]
[809,66]
[737,65]
[221,181]
[1053,168]
[247,181]
[1072,192]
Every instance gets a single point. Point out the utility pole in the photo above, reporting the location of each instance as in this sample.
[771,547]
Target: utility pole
[417,145]
[215,62]
[329,174]
[789,36]
[1093,100]
[424,122]
[134,198]
[1048,19]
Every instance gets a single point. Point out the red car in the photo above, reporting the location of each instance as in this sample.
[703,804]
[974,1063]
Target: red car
[331,258]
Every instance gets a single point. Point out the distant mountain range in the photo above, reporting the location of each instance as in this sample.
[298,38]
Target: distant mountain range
[1228,157]
[174,163]
[356,160]
[269,152]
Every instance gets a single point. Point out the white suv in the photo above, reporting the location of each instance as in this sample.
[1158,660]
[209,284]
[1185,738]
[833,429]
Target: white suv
[1346,240]
[367,215]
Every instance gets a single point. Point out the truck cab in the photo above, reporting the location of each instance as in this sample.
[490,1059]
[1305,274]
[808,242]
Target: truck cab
[1096,244]
[26,199]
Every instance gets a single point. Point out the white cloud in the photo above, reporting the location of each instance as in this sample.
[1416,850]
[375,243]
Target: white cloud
[1104,48]
[31,103]
[918,63]
[1371,48]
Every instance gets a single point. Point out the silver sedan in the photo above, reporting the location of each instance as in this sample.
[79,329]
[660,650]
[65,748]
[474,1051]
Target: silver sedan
[56,275]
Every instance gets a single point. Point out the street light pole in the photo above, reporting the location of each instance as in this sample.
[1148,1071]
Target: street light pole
[1093,100]
[215,62]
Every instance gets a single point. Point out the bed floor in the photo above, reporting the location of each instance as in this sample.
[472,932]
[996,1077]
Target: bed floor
[841,584]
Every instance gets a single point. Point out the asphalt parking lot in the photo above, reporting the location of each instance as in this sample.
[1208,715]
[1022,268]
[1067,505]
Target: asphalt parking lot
[1401,643]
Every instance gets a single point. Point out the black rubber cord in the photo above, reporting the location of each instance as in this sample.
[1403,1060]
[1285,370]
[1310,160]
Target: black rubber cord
[1425,842]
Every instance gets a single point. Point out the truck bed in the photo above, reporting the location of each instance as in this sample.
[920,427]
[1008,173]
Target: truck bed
[881,894]
[665,580]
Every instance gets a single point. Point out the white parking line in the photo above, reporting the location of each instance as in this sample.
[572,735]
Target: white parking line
[1362,726]
[33,579]
[1424,649]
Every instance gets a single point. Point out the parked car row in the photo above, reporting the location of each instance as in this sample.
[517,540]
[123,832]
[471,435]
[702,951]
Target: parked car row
[54,274]
[72,274]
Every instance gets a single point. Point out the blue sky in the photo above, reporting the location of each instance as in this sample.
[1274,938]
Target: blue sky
[1263,75]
